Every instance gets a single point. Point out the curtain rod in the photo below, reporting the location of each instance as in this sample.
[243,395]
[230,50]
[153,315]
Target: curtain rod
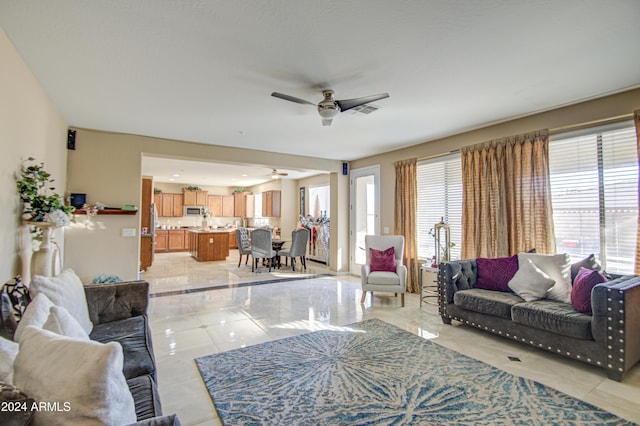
[429,157]
[591,123]
[560,129]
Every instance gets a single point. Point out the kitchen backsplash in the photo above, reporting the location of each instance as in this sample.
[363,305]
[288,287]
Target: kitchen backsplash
[170,222]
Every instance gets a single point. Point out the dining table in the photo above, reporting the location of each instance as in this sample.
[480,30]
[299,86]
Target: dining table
[277,245]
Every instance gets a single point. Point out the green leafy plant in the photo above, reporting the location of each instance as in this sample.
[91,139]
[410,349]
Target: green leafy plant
[157,191]
[39,201]
[240,190]
[192,188]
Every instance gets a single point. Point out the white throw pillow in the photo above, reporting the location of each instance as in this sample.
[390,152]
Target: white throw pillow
[66,290]
[8,352]
[558,268]
[84,377]
[61,322]
[36,314]
[530,282]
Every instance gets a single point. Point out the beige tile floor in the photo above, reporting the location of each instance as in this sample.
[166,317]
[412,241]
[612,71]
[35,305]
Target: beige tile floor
[238,314]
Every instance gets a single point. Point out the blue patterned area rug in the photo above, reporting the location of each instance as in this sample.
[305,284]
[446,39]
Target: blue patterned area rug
[373,373]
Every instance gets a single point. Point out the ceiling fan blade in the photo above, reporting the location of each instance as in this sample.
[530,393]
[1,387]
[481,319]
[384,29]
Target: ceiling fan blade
[291,98]
[347,104]
[327,121]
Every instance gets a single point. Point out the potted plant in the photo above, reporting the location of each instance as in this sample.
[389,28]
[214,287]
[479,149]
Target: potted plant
[40,204]
[191,188]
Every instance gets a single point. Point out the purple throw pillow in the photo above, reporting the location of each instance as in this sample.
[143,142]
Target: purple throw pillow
[495,274]
[382,260]
[581,290]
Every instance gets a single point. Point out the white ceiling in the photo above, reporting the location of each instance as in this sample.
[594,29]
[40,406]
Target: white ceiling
[203,70]
[202,173]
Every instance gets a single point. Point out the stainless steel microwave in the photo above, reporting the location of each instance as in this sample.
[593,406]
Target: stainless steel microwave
[193,211]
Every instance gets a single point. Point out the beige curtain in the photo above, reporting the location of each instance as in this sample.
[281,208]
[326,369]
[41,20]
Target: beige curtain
[506,200]
[636,118]
[405,218]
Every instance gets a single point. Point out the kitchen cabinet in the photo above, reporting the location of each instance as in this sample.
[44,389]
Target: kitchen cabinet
[233,243]
[146,251]
[145,208]
[243,204]
[162,241]
[177,205]
[214,203]
[172,240]
[195,198]
[271,203]
[221,205]
[157,200]
[170,205]
[228,206]
[176,240]
[208,245]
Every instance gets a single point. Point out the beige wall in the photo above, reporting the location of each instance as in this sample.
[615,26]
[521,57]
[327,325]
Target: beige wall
[599,109]
[107,166]
[30,125]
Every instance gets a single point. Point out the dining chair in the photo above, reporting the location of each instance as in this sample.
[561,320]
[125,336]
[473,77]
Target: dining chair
[261,248]
[244,245]
[384,269]
[299,240]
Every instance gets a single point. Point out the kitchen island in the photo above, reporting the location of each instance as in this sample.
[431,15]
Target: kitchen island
[207,245]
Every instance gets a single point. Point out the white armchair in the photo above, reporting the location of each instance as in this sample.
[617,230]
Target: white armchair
[393,282]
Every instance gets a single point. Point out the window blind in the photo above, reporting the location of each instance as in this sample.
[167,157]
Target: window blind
[439,184]
[594,189]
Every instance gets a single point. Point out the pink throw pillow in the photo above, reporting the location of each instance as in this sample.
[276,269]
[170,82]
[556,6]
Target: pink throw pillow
[581,290]
[495,274]
[382,260]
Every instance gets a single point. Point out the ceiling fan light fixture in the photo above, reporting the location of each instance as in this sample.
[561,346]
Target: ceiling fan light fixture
[328,111]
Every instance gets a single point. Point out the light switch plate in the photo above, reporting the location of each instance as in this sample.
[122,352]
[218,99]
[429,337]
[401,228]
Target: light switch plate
[386,229]
[128,232]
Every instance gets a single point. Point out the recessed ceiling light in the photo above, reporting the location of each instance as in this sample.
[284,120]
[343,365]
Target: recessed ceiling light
[171,179]
[244,175]
[176,175]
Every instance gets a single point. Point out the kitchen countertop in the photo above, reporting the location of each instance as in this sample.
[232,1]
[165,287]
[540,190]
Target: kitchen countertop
[212,231]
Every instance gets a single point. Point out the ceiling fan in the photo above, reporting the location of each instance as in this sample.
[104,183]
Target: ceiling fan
[275,174]
[328,108]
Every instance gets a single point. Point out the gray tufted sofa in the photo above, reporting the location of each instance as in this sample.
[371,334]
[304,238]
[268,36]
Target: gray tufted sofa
[610,338]
[119,313]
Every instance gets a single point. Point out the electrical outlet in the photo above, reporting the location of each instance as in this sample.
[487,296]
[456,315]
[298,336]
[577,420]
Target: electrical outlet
[128,232]
[386,229]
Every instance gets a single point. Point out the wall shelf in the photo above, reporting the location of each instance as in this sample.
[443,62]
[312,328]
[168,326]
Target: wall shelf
[108,212]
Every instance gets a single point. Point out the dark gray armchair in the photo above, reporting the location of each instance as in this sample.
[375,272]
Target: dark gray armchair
[299,241]
[261,247]
[244,245]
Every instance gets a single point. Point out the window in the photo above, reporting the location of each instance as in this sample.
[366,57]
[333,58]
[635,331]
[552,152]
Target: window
[257,205]
[439,182]
[594,189]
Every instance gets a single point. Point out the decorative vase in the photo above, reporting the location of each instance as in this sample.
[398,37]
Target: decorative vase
[205,224]
[44,261]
